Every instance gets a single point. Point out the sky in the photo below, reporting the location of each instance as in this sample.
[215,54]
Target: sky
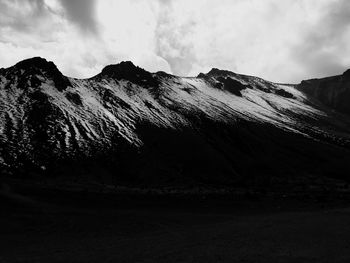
[279,40]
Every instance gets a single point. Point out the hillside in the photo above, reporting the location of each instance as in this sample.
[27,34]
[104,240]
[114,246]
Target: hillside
[127,126]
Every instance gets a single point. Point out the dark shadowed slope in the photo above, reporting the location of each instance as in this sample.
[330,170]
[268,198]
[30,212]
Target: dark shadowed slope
[332,91]
[128,126]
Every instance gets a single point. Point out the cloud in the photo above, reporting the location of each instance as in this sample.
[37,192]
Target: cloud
[173,38]
[22,16]
[82,12]
[323,49]
[284,41]
[42,28]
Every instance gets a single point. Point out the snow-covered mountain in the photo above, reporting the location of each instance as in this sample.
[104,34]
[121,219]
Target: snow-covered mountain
[129,126]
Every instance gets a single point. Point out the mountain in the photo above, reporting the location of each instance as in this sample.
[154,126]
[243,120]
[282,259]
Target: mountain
[127,126]
[332,91]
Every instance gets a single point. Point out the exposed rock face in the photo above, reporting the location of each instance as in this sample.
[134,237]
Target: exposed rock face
[332,91]
[129,126]
[231,85]
[128,71]
[27,72]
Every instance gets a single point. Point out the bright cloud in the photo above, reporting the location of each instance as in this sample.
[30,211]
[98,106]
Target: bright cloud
[280,40]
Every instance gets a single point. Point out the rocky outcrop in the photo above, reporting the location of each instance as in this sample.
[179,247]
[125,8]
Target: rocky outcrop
[334,92]
[28,73]
[128,71]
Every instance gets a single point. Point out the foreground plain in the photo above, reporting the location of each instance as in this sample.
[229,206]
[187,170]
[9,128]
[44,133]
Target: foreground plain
[64,228]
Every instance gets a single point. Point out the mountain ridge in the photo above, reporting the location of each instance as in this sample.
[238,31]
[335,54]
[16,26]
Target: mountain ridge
[41,62]
[129,126]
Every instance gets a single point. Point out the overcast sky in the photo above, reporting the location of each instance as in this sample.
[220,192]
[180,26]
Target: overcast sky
[279,40]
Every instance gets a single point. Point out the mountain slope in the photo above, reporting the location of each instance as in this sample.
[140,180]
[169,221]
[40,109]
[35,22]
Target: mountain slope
[332,91]
[128,126]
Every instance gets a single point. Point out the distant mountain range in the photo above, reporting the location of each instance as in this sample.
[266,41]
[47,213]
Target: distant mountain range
[127,126]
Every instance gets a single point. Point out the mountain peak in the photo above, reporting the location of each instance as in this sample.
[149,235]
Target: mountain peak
[215,72]
[122,68]
[37,62]
[219,72]
[40,66]
[128,71]
[346,74]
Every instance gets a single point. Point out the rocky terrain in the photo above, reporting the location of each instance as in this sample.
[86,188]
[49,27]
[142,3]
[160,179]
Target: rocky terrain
[127,126]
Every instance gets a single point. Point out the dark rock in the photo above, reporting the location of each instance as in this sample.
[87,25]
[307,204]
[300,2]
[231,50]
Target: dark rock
[284,93]
[346,74]
[35,82]
[38,66]
[202,76]
[128,71]
[74,97]
[37,62]
[333,92]
[218,72]
[231,85]
[263,88]
[108,96]
[219,85]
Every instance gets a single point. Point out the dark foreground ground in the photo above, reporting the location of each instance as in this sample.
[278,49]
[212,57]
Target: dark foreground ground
[64,227]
